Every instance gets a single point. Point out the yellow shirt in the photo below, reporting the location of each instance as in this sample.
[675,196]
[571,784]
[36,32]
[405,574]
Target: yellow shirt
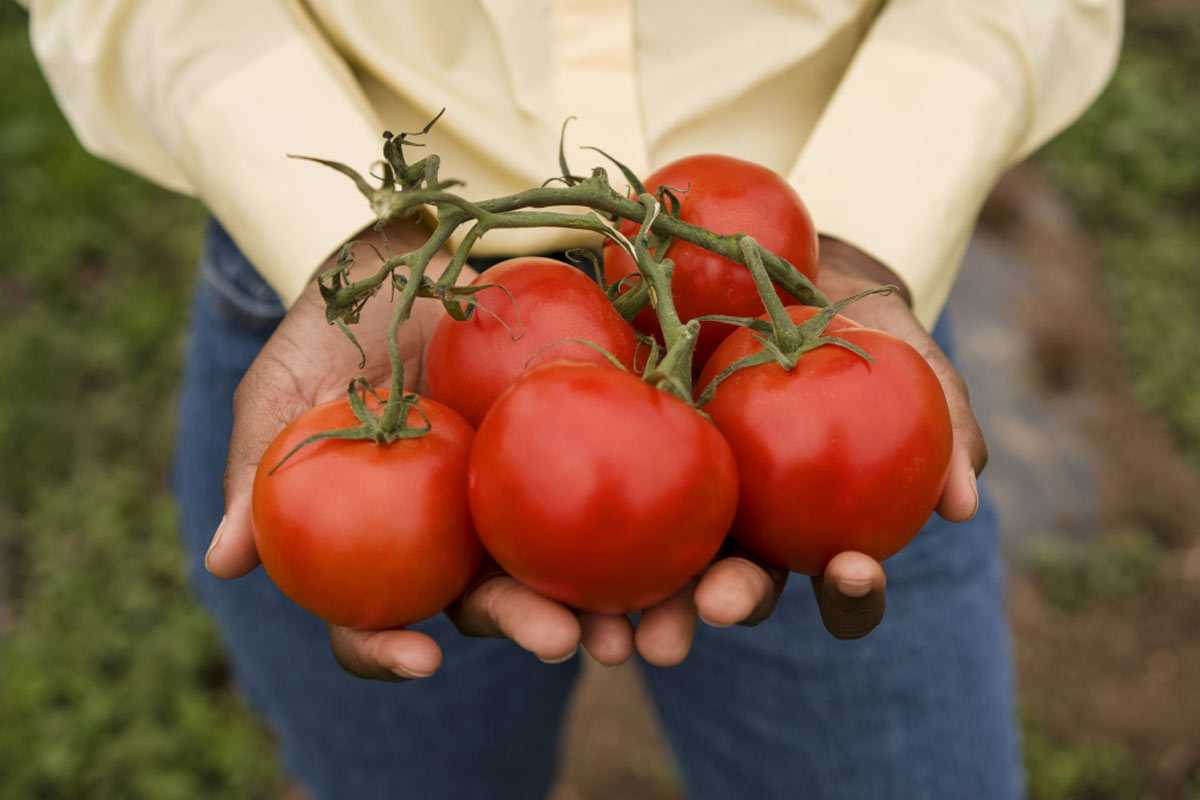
[892,119]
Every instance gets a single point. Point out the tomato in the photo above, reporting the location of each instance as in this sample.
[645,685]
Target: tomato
[471,362]
[598,490]
[837,454]
[725,195]
[367,535]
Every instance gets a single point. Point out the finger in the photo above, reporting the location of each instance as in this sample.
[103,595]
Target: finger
[737,591]
[664,632]
[851,595]
[265,401]
[389,655]
[960,498]
[607,637]
[501,606]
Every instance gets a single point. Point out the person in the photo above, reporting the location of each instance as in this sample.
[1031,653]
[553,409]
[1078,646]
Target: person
[892,119]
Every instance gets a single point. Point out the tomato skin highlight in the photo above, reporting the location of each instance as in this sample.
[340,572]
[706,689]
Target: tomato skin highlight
[471,362]
[725,195]
[364,535]
[837,454]
[598,490]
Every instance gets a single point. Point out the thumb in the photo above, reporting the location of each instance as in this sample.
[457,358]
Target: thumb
[851,595]
[264,403]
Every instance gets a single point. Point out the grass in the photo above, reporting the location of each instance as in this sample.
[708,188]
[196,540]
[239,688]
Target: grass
[1086,770]
[112,682]
[1116,566]
[1131,168]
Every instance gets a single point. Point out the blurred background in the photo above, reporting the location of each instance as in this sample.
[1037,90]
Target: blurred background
[1079,309]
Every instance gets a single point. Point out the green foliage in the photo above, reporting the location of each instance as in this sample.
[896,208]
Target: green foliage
[1116,566]
[1131,168]
[111,681]
[1078,771]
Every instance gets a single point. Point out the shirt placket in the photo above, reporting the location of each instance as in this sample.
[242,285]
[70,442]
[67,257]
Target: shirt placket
[596,77]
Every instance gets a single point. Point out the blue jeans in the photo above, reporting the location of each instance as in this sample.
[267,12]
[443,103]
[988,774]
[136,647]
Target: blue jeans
[921,708]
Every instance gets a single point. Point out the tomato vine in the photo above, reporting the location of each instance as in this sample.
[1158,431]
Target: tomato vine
[409,190]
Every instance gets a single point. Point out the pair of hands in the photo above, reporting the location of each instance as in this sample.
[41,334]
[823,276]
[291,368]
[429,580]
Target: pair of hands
[306,363]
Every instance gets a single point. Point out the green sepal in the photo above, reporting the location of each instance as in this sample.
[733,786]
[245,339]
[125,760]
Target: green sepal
[752,360]
[364,188]
[629,304]
[753,323]
[608,356]
[838,341]
[655,353]
[634,181]
[566,177]
[344,328]
[586,255]
[816,325]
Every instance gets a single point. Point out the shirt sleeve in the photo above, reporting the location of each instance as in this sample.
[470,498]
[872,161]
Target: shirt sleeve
[941,98]
[207,98]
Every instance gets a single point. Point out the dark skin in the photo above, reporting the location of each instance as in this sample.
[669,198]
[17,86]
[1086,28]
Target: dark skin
[306,363]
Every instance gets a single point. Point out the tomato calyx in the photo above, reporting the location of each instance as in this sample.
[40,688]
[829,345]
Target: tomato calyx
[783,341]
[389,426]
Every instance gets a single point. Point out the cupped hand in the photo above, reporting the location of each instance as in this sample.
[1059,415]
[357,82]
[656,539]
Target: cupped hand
[307,362]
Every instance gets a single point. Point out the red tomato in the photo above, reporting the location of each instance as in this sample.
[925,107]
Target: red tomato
[837,454]
[598,490]
[364,535]
[470,363]
[725,195]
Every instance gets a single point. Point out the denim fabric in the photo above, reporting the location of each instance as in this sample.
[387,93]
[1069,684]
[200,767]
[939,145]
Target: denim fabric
[921,708]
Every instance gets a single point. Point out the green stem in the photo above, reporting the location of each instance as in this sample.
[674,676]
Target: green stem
[629,304]
[594,193]
[461,254]
[676,367]
[407,188]
[787,335]
[395,410]
[657,275]
[674,372]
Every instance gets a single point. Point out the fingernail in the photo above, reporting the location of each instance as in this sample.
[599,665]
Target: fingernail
[975,491]
[407,672]
[565,658]
[710,623]
[854,587]
[215,540]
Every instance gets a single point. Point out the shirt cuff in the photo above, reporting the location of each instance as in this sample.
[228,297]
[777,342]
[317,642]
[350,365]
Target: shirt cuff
[286,215]
[902,159]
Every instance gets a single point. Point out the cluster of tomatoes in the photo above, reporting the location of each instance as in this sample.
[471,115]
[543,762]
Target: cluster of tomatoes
[584,481]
